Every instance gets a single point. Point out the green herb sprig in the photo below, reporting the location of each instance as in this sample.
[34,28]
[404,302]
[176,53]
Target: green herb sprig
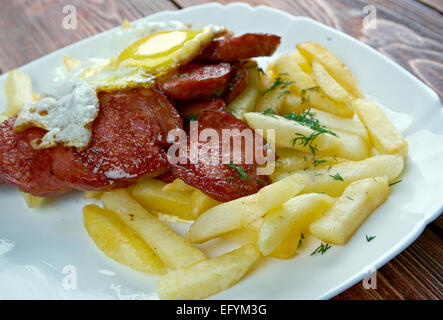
[322,248]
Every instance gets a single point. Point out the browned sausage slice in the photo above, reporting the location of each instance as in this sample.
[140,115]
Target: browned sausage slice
[247,46]
[196,81]
[221,181]
[25,167]
[127,142]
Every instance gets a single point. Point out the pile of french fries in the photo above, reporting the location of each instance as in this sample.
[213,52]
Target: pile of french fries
[326,185]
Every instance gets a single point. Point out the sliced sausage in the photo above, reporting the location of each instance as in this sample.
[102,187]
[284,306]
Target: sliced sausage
[247,46]
[223,181]
[196,81]
[191,110]
[127,141]
[25,167]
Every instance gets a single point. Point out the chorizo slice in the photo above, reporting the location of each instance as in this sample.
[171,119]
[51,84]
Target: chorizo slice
[247,46]
[128,137]
[197,81]
[191,110]
[24,167]
[223,181]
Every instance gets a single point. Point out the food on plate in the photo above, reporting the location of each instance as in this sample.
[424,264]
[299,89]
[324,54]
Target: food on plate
[350,210]
[18,90]
[222,180]
[174,125]
[25,167]
[120,242]
[245,102]
[207,277]
[196,81]
[335,67]
[384,135]
[296,212]
[247,46]
[173,250]
[240,212]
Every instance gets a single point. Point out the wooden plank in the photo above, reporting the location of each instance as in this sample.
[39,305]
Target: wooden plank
[435,4]
[32,29]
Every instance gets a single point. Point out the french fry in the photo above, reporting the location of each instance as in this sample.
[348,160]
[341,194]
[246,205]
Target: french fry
[331,121]
[305,86]
[18,90]
[272,99]
[352,147]
[70,62]
[292,103]
[201,202]
[287,130]
[328,84]
[288,247]
[247,100]
[151,195]
[31,200]
[335,67]
[301,61]
[384,135]
[237,214]
[208,277]
[246,235]
[93,195]
[265,81]
[295,213]
[178,185]
[174,251]
[358,201]
[334,179]
[291,161]
[119,242]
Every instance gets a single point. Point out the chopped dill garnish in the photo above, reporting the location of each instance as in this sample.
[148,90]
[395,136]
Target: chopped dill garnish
[218,92]
[337,176]
[307,141]
[303,92]
[349,198]
[240,172]
[192,117]
[369,238]
[307,119]
[393,183]
[278,82]
[269,112]
[329,168]
[260,180]
[322,249]
[229,178]
[182,75]
[302,237]
[317,162]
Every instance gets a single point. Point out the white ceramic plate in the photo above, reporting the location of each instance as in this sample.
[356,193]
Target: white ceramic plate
[39,249]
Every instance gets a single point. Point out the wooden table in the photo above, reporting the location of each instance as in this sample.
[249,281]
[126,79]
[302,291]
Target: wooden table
[409,32]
